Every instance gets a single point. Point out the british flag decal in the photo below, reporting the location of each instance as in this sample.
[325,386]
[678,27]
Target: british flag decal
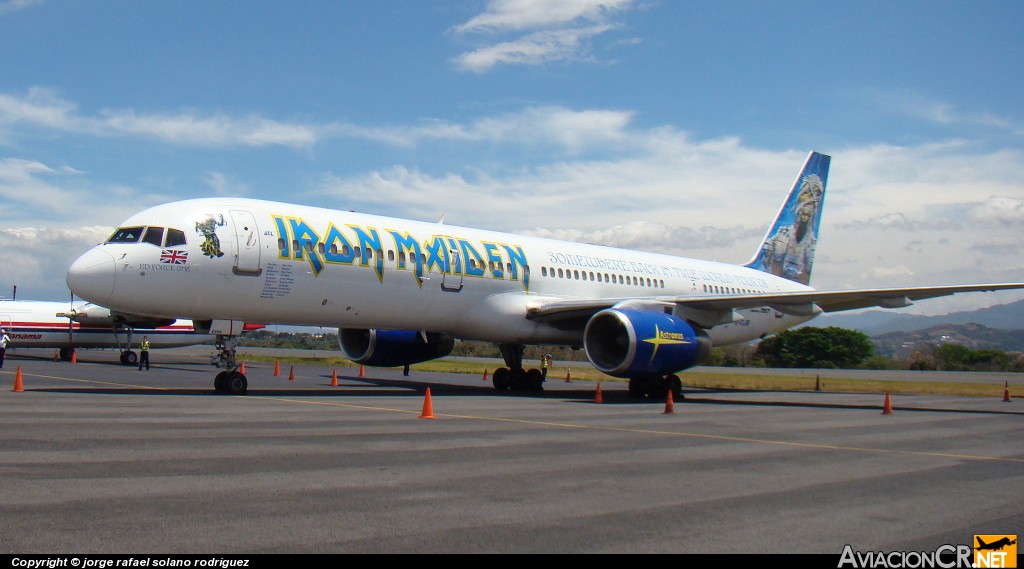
[173,257]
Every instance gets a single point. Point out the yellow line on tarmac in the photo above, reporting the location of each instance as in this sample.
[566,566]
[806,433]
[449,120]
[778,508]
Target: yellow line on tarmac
[95,381]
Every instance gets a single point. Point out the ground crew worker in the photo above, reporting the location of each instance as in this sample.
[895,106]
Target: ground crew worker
[4,340]
[144,353]
[544,364]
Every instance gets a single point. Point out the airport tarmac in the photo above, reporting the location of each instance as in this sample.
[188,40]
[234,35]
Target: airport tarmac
[100,458]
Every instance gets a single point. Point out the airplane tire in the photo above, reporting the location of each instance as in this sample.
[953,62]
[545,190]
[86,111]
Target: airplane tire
[658,388]
[66,353]
[502,379]
[676,386]
[129,358]
[534,380]
[218,382]
[235,383]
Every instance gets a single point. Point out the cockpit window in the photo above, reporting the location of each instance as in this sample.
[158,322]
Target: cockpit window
[126,235]
[153,235]
[175,237]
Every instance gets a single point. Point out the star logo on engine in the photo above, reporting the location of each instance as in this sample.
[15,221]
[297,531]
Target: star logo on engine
[665,338]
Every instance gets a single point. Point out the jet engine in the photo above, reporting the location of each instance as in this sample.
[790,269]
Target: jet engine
[643,344]
[388,348]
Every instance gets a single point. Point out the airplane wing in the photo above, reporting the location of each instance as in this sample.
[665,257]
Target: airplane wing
[719,309]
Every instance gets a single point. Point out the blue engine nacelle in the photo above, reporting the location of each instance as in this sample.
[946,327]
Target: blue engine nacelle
[388,348]
[640,344]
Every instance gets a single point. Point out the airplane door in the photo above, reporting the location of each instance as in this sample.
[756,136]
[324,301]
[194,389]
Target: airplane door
[452,280]
[247,236]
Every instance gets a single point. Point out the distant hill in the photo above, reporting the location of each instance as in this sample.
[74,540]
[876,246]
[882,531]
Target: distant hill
[877,322]
[972,335]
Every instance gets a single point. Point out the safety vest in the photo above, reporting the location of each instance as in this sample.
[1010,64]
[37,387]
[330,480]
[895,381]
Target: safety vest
[144,346]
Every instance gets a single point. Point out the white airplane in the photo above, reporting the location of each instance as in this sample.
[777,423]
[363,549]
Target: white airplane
[401,291]
[66,326]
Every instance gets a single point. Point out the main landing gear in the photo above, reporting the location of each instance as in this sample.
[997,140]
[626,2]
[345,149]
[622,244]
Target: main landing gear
[514,377]
[232,381]
[656,387]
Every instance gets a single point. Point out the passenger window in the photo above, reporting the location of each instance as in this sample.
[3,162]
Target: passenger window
[320,248]
[153,236]
[176,237]
[126,235]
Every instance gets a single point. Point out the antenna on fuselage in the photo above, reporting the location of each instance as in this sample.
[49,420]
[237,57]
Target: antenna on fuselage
[440,221]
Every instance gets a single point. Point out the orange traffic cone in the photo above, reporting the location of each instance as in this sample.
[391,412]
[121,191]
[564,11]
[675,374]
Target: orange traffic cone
[291,373]
[568,376]
[485,375]
[17,382]
[362,372]
[334,378]
[241,368]
[74,358]
[598,398]
[670,407]
[817,383]
[887,405]
[1006,393]
[277,368]
[56,355]
[428,407]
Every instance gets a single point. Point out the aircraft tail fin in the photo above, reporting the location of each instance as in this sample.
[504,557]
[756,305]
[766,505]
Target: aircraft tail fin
[981,542]
[787,250]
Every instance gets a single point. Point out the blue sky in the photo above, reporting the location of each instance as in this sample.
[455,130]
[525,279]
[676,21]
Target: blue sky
[662,125]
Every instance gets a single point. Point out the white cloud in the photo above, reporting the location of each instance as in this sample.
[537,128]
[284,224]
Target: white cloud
[533,49]
[224,186]
[524,14]
[15,5]
[550,30]
[1000,209]
[912,104]
[42,108]
[1002,245]
[24,189]
[886,272]
[36,259]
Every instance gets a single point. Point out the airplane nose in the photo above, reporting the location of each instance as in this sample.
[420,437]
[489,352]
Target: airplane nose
[91,276]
